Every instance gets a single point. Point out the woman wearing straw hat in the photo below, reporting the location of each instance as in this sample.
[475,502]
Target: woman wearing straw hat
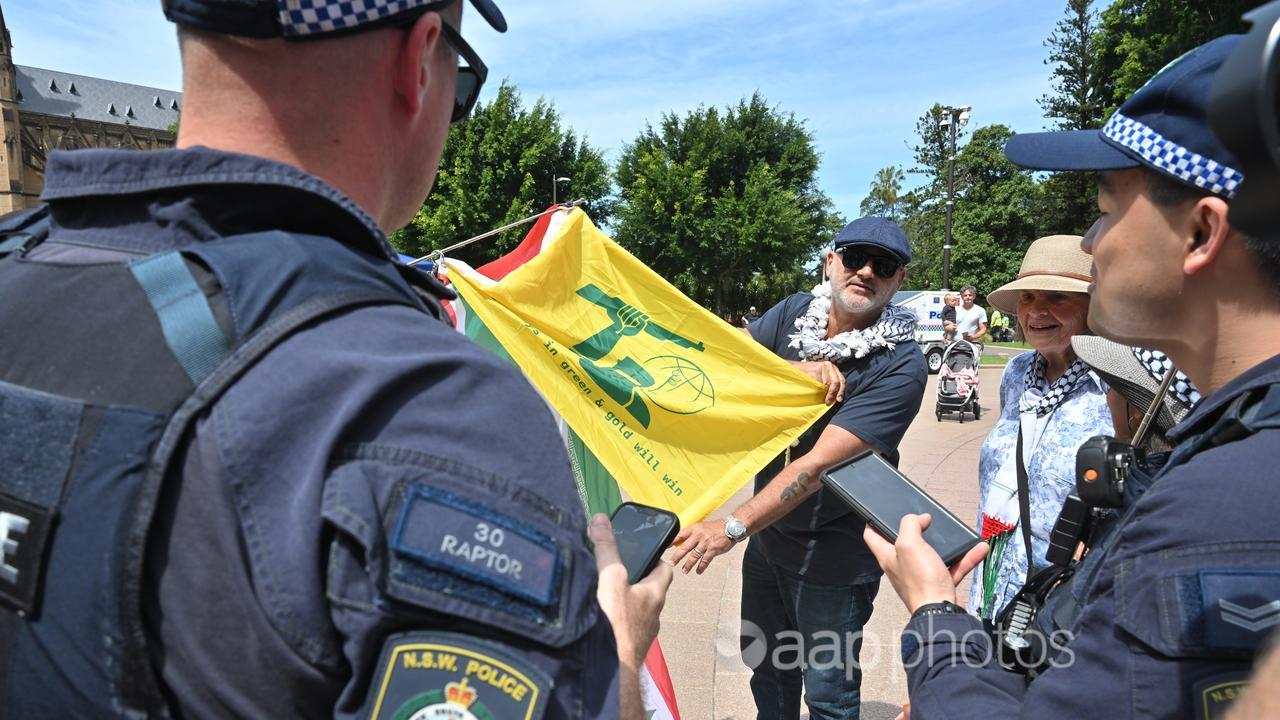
[1050,402]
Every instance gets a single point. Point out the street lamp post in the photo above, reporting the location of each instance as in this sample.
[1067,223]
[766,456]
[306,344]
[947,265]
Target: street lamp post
[554,183]
[954,119]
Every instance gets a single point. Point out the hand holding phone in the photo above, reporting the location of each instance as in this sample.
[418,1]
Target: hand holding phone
[882,496]
[642,533]
[634,611]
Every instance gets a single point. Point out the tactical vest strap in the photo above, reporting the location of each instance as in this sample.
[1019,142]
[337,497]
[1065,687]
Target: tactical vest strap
[186,319]
[141,689]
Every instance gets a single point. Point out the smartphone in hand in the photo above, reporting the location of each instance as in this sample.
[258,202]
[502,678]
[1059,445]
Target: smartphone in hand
[882,496]
[642,533]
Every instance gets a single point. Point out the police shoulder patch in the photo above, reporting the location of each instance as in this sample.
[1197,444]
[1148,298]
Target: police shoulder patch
[447,676]
[1240,607]
[1212,696]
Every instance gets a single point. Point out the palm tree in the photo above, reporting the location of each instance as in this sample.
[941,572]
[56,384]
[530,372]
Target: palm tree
[882,199]
[887,184]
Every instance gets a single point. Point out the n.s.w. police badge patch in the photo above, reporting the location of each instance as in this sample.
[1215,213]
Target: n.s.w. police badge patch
[1214,695]
[446,676]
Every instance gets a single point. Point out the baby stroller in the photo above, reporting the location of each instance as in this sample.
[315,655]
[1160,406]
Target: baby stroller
[958,381]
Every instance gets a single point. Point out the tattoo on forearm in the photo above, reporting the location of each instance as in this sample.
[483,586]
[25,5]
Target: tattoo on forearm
[793,490]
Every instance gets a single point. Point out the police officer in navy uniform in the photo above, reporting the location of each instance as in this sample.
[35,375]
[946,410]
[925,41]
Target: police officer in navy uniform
[1188,585]
[246,472]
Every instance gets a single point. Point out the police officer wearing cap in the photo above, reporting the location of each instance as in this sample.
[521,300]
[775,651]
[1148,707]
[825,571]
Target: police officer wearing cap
[247,472]
[806,569]
[1186,586]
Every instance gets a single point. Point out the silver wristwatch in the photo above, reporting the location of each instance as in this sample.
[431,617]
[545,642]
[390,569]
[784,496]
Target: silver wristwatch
[734,529]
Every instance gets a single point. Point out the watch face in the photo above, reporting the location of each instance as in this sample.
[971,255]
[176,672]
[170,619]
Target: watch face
[735,528]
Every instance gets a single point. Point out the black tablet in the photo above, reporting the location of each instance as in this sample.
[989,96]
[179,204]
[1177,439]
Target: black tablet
[882,496]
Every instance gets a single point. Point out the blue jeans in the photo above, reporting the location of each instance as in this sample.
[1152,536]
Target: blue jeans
[812,635]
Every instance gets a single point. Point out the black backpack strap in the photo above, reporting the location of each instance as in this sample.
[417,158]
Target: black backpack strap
[22,230]
[1024,506]
[141,687]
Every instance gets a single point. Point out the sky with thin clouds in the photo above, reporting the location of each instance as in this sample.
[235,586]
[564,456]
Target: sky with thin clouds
[858,72]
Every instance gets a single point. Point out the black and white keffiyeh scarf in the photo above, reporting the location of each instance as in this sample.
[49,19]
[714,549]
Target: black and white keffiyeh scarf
[1043,397]
[895,325]
[1157,365]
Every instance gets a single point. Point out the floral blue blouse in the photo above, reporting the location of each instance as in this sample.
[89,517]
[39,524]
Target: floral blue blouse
[1051,463]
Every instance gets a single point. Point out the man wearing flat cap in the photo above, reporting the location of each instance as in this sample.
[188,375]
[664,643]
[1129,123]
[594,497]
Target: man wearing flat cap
[806,569]
[247,470]
[1181,594]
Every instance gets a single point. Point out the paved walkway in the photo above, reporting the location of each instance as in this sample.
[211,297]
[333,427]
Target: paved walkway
[700,622]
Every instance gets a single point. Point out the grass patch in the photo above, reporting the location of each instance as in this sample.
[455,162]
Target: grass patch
[1015,344]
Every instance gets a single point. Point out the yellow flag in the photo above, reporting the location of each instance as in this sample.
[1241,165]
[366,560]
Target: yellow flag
[679,406]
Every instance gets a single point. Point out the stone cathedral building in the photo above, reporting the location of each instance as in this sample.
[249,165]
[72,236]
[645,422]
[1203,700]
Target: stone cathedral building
[47,110]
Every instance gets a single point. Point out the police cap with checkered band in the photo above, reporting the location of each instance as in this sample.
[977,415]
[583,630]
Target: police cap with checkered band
[1164,126]
[307,19]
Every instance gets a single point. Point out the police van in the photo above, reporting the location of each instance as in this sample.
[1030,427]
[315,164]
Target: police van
[927,305]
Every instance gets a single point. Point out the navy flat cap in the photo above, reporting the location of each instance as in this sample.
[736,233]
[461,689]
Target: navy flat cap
[878,231]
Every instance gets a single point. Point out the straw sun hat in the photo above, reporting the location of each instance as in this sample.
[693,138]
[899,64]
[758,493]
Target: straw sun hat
[1054,263]
[1136,374]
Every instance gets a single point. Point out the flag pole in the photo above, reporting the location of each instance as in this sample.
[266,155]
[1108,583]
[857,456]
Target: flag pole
[437,255]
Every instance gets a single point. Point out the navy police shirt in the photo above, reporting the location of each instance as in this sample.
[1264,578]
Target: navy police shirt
[822,537]
[378,517]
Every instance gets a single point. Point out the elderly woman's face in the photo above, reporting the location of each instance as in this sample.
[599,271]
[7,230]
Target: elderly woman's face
[1049,318]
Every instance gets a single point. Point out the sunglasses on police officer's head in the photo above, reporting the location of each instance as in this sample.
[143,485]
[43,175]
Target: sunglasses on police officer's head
[471,76]
[855,258]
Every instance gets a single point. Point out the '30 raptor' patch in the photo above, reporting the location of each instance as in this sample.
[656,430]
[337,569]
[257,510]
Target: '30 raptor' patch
[446,676]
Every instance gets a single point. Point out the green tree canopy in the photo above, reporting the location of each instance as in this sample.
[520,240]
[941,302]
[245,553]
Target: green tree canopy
[993,222]
[933,149]
[995,214]
[923,213]
[498,167]
[725,203]
[924,221]
[1138,37]
[1068,200]
[1076,102]
[1097,60]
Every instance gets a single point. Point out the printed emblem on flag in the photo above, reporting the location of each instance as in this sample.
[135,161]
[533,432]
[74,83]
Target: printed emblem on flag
[671,382]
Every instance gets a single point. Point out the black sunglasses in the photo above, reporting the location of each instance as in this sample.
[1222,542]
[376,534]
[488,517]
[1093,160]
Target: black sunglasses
[471,76]
[855,258]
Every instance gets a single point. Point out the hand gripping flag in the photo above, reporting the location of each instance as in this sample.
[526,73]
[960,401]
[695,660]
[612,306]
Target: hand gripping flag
[678,406]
